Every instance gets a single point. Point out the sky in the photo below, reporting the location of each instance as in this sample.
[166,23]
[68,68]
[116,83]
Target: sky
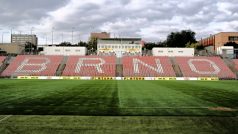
[152,20]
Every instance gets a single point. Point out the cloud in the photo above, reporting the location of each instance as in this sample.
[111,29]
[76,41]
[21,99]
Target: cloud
[152,20]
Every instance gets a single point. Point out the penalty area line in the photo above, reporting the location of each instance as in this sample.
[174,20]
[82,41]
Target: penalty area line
[5,118]
[165,107]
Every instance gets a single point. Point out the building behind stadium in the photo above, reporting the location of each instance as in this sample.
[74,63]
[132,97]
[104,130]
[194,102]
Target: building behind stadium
[24,38]
[215,43]
[17,44]
[119,47]
[63,50]
[102,35]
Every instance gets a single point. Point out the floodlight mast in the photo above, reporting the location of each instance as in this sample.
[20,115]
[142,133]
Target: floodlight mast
[3,36]
[73,28]
[52,35]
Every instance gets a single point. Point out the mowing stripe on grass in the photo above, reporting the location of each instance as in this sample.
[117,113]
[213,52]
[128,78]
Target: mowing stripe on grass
[64,97]
[119,124]
[177,88]
[5,118]
[119,96]
[156,94]
[209,92]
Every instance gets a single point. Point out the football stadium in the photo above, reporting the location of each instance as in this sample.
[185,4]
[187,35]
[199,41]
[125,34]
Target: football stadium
[118,91]
[118,67]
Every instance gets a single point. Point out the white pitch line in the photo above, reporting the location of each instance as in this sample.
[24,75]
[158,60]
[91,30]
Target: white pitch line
[5,118]
[165,107]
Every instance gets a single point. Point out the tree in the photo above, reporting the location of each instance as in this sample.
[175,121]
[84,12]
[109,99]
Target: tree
[196,46]
[151,45]
[82,44]
[2,52]
[92,45]
[65,44]
[180,39]
[30,47]
[200,47]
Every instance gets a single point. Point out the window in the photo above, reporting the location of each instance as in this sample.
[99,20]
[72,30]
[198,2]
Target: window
[57,50]
[170,51]
[67,50]
[180,51]
[41,49]
[77,50]
[160,51]
[233,38]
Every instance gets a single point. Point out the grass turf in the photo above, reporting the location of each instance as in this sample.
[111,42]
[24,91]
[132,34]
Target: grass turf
[196,101]
[112,124]
[57,97]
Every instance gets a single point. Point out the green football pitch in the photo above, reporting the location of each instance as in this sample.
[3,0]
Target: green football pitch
[70,106]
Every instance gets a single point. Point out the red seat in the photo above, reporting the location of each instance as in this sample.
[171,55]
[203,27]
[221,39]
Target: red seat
[204,67]
[138,66]
[90,66]
[236,64]
[33,65]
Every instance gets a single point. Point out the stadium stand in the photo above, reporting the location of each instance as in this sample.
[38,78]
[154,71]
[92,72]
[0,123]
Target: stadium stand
[204,67]
[106,66]
[147,66]
[33,65]
[90,66]
[2,58]
[236,63]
